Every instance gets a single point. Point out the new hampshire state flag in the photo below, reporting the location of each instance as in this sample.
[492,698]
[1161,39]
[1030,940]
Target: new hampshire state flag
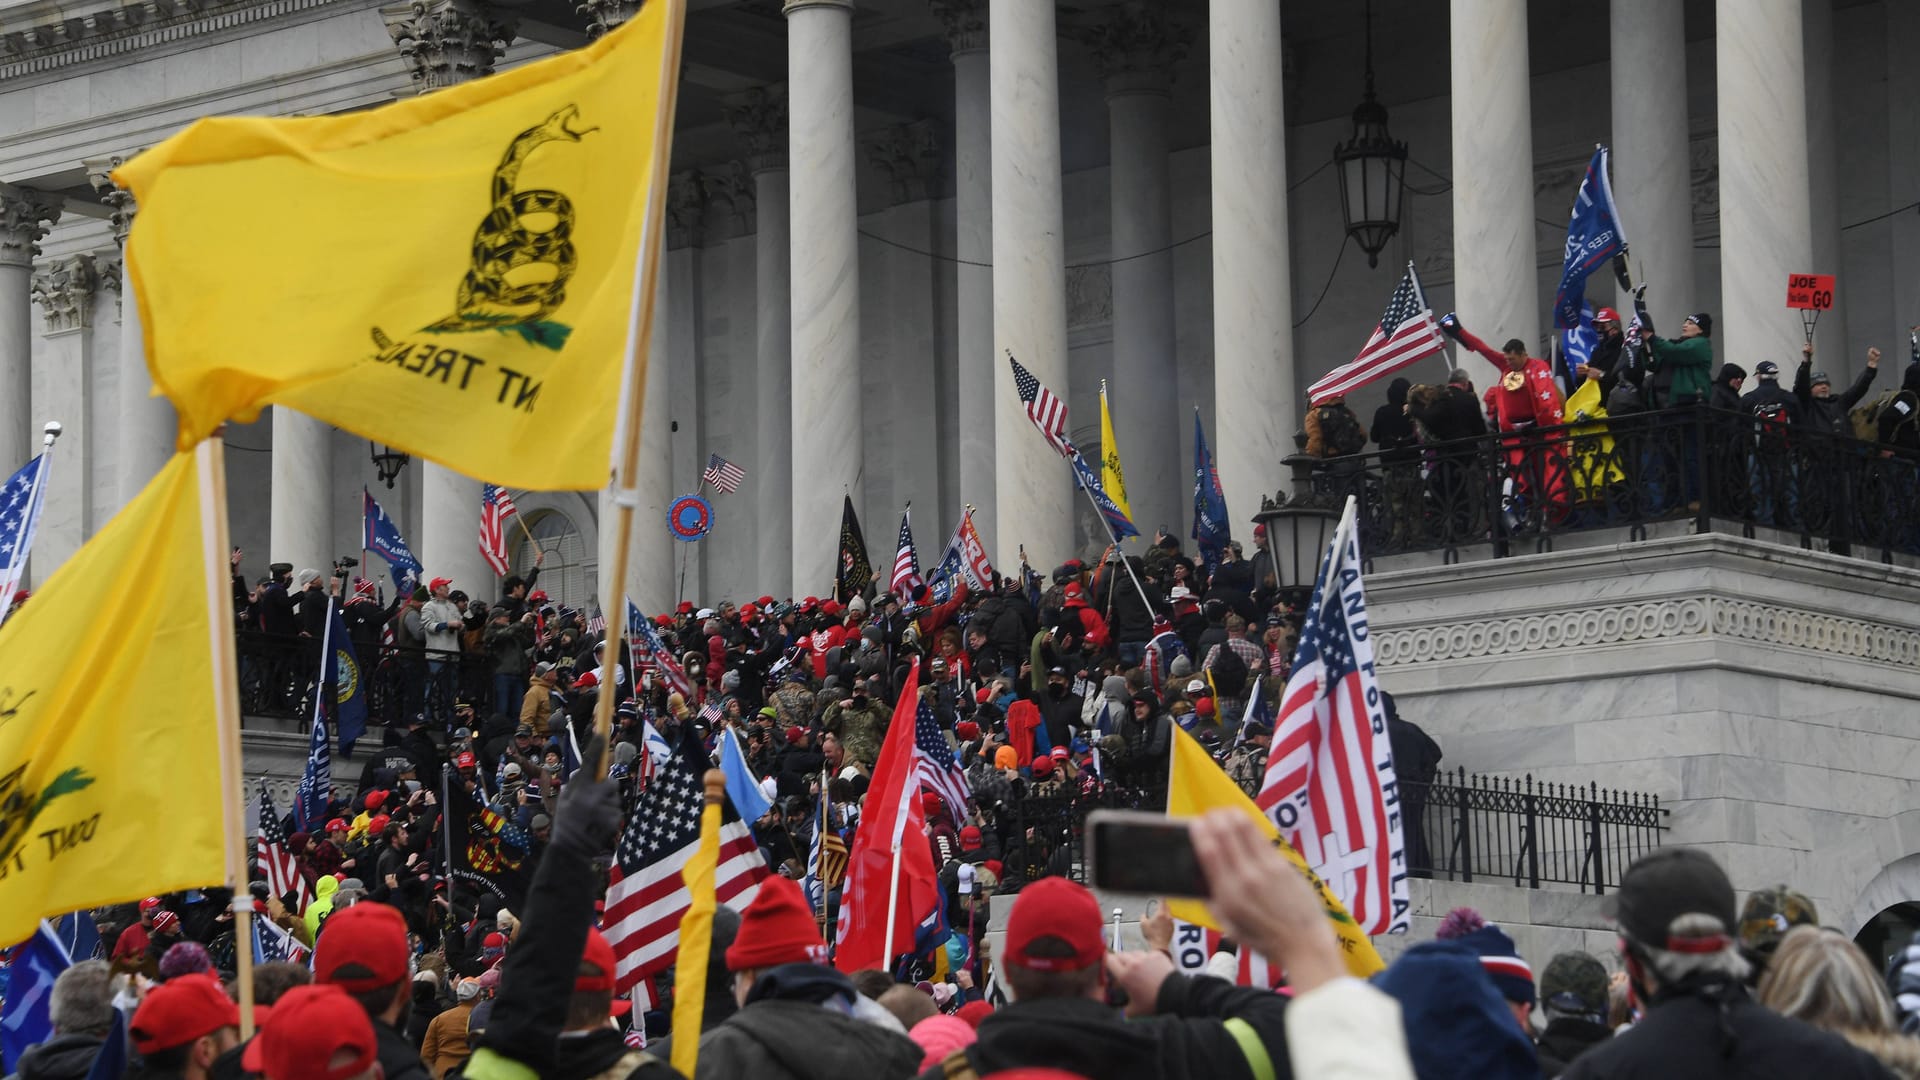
[107,730]
[452,274]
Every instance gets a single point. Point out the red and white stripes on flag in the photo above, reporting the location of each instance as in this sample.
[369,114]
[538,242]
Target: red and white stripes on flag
[646,897]
[906,580]
[1047,412]
[276,860]
[496,506]
[1330,785]
[1407,333]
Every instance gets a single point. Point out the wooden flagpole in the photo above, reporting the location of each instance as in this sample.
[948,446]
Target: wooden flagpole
[633,380]
[211,467]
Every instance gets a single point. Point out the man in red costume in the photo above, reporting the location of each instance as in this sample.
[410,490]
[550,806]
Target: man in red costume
[1525,397]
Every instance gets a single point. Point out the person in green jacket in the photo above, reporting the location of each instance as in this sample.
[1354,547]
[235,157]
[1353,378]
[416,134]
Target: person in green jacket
[1690,359]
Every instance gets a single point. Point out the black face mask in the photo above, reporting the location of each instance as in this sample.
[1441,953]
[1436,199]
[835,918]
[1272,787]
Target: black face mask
[859,699]
[1058,690]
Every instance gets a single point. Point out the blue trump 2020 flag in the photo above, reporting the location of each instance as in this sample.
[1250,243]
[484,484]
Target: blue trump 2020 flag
[1210,528]
[1593,237]
[1085,476]
[26,1021]
[382,537]
[316,782]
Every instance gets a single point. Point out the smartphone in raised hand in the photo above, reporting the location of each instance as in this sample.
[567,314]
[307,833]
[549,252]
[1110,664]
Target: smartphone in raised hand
[1134,852]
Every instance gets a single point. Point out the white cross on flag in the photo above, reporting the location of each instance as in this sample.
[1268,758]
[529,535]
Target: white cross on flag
[1330,786]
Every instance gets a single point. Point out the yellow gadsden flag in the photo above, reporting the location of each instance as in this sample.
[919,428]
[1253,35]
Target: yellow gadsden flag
[452,274]
[107,719]
[1111,478]
[1197,786]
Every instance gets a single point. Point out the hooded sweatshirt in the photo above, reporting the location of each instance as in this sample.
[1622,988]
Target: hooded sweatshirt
[64,1057]
[799,1024]
[1392,427]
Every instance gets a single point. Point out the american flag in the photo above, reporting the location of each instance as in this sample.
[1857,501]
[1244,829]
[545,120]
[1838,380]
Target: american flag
[1407,333]
[597,625]
[19,515]
[276,860]
[906,579]
[933,759]
[272,944]
[724,475]
[1047,412]
[710,712]
[496,506]
[1330,784]
[646,897]
[647,638]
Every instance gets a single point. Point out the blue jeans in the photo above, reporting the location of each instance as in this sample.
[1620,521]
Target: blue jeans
[504,689]
[1131,653]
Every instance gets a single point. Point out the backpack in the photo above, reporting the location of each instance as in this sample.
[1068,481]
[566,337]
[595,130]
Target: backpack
[1340,429]
[1774,419]
[1865,419]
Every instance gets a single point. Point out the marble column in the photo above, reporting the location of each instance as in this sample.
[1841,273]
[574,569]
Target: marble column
[1835,356]
[148,426]
[25,216]
[1033,487]
[902,396]
[1652,166]
[759,119]
[1766,230]
[979,364]
[1136,48]
[1256,393]
[444,42]
[828,448]
[678,314]
[63,288]
[299,503]
[1495,283]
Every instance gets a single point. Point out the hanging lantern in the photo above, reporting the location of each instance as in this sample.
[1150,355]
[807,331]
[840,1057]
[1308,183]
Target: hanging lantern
[1373,171]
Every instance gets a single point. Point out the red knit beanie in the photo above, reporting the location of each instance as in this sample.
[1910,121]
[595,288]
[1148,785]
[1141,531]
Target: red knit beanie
[777,928]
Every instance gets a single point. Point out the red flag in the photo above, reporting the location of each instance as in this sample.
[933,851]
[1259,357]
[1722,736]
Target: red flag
[892,810]
[1023,717]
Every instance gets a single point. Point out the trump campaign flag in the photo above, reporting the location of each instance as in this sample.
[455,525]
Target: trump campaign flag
[458,282]
[1330,785]
[1593,237]
[382,537]
[1210,529]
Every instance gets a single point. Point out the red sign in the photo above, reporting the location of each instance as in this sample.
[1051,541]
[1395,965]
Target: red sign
[1813,291]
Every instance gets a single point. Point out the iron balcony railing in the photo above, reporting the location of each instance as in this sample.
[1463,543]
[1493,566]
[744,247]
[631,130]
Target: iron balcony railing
[1519,490]
[278,674]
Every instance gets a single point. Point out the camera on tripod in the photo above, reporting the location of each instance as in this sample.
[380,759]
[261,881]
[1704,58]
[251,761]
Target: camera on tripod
[343,566]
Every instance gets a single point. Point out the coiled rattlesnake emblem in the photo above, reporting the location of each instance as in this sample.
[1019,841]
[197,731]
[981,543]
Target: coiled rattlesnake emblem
[532,228]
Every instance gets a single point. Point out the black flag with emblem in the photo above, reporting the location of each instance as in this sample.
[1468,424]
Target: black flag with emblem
[855,571]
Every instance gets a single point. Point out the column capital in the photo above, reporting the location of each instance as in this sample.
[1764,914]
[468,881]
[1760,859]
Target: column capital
[25,216]
[910,155]
[728,189]
[64,290]
[445,42]
[605,15]
[788,7]
[1136,44]
[759,120]
[686,210]
[107,273]
[966,23]
[100,175]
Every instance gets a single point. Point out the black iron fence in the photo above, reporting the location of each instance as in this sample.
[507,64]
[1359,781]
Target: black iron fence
[1464,827]
[278,678]
[1519,490]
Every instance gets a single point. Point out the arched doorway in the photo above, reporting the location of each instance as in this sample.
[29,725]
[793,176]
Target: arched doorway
[565,576]
[1888,932]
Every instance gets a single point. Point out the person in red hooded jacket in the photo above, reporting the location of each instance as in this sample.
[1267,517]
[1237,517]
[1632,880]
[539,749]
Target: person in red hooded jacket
[1093,625]
[1525,397]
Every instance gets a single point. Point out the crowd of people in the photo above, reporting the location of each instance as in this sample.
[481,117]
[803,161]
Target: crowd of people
[1641,427]
[450,914]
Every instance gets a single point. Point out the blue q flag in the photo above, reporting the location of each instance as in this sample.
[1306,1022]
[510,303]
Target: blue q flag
[1210,529]
[1593,237]
[1086,477]
[350,685]
[382,537]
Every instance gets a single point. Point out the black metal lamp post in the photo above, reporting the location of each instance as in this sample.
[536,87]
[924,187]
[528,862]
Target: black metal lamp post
[1299,525]
[387,462]
[1373,171]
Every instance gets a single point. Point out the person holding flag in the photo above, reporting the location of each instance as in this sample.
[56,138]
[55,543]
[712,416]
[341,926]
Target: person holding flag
[1210,529]
[1525,398]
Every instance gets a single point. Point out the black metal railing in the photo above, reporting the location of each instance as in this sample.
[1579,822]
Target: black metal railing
[278,676]
[1518,490]
[1464,827]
